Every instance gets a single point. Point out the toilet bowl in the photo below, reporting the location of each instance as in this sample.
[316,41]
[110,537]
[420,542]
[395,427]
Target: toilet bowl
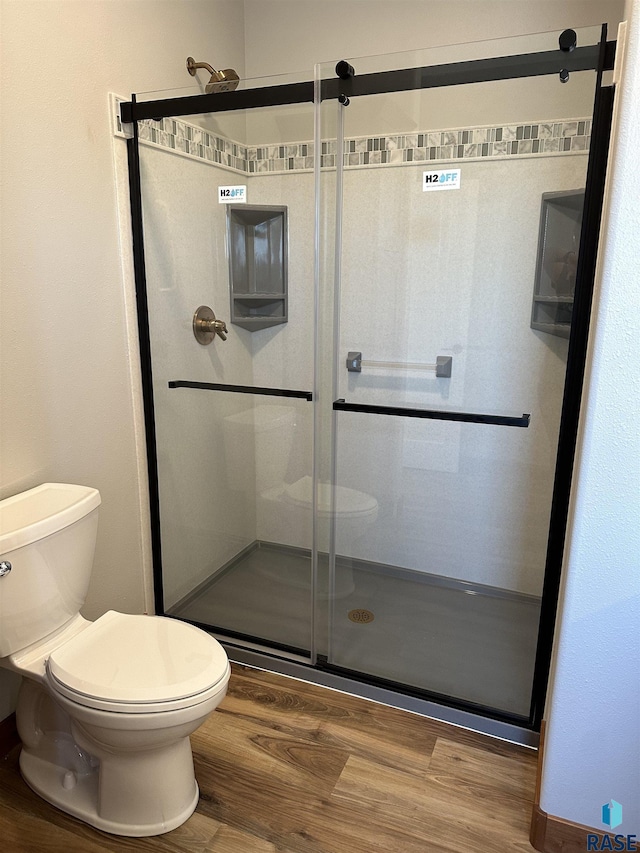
[106,708]
[286,513]
[354,512]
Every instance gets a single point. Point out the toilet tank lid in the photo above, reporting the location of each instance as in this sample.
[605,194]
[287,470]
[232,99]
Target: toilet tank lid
[139,659]
[262,418]
[32,515]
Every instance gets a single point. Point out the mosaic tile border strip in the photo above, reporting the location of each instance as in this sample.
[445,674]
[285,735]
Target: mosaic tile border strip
[542,138]
[193,141]
[183,138]
[536,139]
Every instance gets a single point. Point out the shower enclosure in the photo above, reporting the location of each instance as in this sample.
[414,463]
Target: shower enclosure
[360,472]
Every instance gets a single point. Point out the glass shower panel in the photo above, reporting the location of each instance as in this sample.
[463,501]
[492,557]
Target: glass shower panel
[448,403]
[259,589]
[228,212]
[438,547]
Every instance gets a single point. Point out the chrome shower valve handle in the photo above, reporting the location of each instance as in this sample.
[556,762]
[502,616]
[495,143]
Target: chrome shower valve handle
[206,327]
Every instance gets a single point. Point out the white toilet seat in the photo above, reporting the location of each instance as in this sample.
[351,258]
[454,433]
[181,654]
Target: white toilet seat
[132,664]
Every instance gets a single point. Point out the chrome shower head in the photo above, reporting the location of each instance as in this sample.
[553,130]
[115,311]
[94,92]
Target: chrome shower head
[221,81]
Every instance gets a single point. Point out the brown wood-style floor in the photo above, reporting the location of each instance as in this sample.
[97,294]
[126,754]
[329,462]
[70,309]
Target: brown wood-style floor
[287,766]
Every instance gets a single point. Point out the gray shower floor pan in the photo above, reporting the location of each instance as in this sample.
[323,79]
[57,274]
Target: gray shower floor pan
[473,643]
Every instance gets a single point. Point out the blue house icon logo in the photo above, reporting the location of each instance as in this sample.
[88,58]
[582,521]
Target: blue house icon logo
[612,814]
[611,817]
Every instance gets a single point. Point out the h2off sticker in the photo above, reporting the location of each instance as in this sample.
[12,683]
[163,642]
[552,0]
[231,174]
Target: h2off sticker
[232,195]
[443,179]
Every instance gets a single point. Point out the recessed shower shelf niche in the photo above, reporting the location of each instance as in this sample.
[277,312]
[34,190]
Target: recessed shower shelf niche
[257,244]
[558,244]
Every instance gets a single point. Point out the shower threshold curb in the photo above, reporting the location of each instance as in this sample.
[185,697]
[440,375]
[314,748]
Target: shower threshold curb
[423,707]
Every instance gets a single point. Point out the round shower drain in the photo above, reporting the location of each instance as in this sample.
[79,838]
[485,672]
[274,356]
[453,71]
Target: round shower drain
[360,616]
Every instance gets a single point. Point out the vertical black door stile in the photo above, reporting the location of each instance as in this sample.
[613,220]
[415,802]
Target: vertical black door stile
[585,278]
[146,365]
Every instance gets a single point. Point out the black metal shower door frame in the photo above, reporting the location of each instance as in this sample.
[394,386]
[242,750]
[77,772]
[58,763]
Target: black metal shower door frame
[599,58]
[588,58]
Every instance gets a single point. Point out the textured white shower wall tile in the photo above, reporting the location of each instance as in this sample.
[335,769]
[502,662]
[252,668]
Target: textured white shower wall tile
[423,275]
[440,452]
[452,273]
[205,517]
[282,357]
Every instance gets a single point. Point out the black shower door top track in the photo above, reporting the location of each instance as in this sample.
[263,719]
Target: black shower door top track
[427,77]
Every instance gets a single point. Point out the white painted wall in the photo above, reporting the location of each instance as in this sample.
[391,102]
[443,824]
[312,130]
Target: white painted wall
[69,376]
[592,749]
[294,34]
[286,35]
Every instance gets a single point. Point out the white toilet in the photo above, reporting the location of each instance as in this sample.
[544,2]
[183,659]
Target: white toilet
[106,708]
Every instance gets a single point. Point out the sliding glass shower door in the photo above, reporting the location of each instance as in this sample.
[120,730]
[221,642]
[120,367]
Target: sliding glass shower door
[228,213]
[356,296]
[457,231]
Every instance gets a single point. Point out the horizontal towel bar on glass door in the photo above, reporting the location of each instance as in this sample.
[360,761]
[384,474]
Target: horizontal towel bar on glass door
[433,414]
[242,389]
[442,366]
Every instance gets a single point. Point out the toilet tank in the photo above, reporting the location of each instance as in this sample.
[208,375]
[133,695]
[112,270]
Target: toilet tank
[47,542]
[257,446]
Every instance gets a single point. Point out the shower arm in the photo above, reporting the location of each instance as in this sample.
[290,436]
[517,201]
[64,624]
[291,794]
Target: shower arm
[192,66]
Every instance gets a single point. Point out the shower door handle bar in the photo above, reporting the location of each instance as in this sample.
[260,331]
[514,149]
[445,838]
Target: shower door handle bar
[433,414]
[242,389]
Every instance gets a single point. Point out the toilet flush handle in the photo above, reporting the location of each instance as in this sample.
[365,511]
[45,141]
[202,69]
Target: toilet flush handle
[5,568]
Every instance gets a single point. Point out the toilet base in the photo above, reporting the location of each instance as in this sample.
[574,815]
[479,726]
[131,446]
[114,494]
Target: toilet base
[80,799]
[133,782]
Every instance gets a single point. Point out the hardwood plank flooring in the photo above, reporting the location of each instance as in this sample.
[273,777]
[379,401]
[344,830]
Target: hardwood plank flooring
[289,767]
